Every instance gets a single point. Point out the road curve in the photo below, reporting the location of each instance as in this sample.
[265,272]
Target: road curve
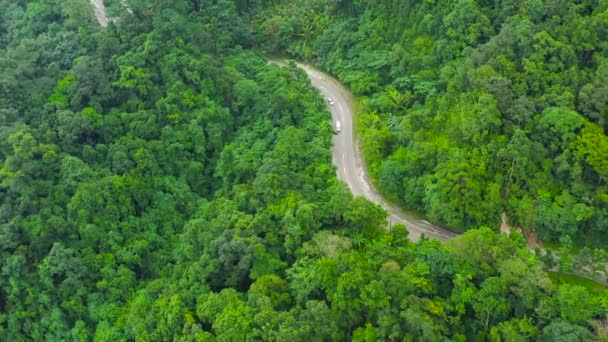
[348,159]
[346,153]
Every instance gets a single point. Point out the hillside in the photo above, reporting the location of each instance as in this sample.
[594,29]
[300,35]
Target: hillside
[471,108]
[159,180]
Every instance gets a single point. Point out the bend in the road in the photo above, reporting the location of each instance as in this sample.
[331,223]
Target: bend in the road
[348,159]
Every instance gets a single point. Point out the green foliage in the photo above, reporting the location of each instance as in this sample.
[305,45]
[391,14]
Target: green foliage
[472,108]
[160,181]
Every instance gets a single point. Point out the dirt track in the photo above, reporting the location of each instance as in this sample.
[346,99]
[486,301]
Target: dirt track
[100,12]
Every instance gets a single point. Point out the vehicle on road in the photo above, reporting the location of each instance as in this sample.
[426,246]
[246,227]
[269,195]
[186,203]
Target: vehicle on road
[347,156]
[330,101]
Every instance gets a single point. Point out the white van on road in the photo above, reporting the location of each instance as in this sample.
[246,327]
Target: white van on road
[338,126]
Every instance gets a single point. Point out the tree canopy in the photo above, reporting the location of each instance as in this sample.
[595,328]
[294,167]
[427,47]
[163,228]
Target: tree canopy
[159,180]
[471,108]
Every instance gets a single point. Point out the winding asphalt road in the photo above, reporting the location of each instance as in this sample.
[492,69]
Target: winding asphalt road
[349,162]
[346,153]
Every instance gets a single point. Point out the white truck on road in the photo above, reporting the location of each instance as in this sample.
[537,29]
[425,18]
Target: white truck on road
[338,126]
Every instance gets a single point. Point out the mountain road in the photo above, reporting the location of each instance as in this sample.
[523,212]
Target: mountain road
[349,161]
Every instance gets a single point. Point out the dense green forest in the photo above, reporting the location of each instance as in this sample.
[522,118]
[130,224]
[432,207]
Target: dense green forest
[472,108]
[160,181]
